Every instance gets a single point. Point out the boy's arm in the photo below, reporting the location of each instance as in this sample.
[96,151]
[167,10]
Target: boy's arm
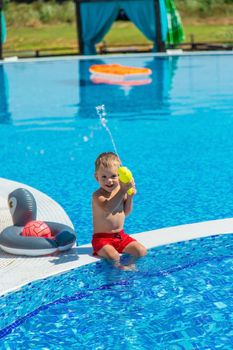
[128,205]
[109,205]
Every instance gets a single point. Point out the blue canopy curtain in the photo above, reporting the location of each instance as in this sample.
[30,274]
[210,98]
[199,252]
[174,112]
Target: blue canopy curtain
[142,14]
[5,114]
[96,18]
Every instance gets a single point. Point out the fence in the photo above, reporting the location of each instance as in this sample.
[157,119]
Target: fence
[104,48]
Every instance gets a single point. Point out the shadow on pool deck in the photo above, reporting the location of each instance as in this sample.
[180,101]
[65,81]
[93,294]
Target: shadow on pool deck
[16,271]
[71,255]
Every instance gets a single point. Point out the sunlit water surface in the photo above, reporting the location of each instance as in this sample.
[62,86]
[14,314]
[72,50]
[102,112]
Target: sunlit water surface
[180,298]
[176,135]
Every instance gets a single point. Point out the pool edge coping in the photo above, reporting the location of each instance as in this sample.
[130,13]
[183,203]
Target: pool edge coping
[170,53]
[150,239]
[21,270]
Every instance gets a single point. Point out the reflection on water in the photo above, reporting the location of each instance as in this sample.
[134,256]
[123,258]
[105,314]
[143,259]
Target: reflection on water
[38,93]
[46,94]
[151,99]
[4,99]
[175,134]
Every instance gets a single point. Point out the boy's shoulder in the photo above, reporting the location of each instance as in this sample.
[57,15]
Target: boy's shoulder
[98,193]
[98,197]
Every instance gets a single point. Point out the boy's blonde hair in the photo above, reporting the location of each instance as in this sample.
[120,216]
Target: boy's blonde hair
[107,159]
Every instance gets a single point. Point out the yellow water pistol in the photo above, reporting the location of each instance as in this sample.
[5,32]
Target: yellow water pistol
[125,176]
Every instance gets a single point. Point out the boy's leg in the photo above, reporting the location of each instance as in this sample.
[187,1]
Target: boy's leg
[110,253]
[136,250]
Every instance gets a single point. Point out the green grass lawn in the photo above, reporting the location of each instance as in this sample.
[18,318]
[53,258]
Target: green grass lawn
[210,33]
[46,36]
[121,33]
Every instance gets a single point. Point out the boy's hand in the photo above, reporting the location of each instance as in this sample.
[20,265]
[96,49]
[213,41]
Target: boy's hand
[126,186]
[133,188]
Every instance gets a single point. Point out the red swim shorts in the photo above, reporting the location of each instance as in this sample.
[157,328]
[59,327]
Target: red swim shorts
[119,240]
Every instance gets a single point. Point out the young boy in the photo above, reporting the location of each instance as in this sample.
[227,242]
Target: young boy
[110,205]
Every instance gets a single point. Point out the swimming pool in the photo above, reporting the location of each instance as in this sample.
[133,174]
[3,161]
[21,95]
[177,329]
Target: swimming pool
[175,134]
[179,299]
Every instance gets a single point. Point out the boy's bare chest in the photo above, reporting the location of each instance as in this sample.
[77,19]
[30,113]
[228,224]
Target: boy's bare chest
[119,209]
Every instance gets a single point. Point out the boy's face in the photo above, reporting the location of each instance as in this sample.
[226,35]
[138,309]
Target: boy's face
[108,177]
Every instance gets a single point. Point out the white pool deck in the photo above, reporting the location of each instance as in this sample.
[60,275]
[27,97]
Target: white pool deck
[16,271]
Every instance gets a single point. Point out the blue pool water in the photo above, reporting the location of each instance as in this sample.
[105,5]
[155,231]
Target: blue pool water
[176,135]
[180,299]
